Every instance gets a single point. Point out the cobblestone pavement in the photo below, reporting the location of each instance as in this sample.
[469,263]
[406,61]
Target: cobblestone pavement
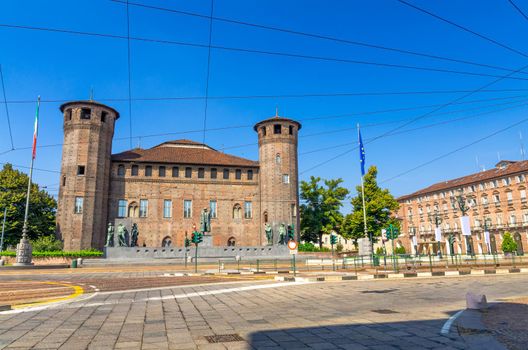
[380,314]
[508,321]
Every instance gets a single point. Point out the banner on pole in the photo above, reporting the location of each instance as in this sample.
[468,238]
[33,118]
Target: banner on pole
[448,248]
[486,237]
[466,228]
[415,241]
[438,234]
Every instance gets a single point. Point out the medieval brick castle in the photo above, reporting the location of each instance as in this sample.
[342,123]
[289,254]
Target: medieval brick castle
[164,188]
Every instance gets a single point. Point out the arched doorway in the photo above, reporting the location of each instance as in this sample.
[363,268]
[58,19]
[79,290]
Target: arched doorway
[493,244]
[231,242]
[518,240]
[166,242]
[265,217]
[133,210]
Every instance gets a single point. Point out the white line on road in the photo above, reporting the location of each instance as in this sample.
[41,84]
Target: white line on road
[447,326]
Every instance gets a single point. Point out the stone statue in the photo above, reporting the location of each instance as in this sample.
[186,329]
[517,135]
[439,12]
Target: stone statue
[269,233]
[282,234]
[122,233]
[134,233]
[205,221]
[110,235]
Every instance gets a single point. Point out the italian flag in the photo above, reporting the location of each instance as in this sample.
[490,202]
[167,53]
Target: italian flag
[35,130]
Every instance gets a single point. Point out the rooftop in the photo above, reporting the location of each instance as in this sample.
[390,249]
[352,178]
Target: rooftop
[502,168]
[182,152]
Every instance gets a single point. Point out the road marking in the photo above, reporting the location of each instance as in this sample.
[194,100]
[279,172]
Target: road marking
[447,326]
[77,291]
[84,297]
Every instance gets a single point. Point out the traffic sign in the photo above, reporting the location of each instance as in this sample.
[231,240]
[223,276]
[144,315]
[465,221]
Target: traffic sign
[292,245]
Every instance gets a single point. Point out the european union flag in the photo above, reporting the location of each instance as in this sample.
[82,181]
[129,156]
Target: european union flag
[361,153]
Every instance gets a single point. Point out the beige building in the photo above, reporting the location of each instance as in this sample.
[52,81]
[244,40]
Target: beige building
[164,188]
[496,201]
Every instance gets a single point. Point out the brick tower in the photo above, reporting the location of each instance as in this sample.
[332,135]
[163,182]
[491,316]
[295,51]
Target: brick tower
[279,176]
[85,174]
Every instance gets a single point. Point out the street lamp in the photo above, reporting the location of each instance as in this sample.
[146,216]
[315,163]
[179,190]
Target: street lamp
[463,206]
[436,218]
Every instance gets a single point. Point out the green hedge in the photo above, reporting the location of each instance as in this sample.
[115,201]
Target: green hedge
[60,253]
[310,247]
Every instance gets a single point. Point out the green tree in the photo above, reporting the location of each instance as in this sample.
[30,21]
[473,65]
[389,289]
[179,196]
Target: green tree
[379,204]
[42,206]
[508,244]
[47,244]
[320,211]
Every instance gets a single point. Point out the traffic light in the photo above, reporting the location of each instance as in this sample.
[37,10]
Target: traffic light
[199,237]
[333,239]
[187,242]
[291,235]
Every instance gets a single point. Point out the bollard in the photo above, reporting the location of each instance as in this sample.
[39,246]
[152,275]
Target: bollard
[355,265]
[275,264]
[258,265]
[74,264]
[430,264]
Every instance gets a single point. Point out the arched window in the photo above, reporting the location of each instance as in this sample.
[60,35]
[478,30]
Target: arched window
[231,242]
[133,210]
[166,242]
[120,170]
[278,158]
[265,216]
[237,211]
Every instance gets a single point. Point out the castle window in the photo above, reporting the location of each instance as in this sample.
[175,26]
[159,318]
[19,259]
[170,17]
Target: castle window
[80,170]
[103,116]
[250,174]
[277,129]
[226,174]
[237,211]
[120,170]
[167,208]
[133,210]
[231,242]
[238,174]
[213,208]
[121,208]
[265,216]
[143,208]
[175,171]
[187,208]
[248,210]
[214,173]
[286,178]
[201,173]
[148,170]
[290,129]
[161,171]
[64,181]
[188,172]
[277,158]
[135,170]
[78,205]
[86,113]
[263,130]
[69,114]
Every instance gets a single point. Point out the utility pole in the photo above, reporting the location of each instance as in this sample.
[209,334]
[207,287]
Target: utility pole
[3,230]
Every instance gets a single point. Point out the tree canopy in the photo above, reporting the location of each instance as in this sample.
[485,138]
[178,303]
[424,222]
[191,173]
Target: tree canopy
[42,207]
[379,204]
[508,244]
[320,211]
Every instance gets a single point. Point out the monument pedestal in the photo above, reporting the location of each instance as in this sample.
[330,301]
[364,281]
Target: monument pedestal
[207,241]
[364,247]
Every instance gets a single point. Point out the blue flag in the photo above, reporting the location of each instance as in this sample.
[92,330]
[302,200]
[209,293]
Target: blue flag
[361,153]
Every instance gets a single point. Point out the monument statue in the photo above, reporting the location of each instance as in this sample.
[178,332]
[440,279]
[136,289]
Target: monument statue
[110,235]
[269,233]
[122,233]
[282,234]
[205,221]
[134,235]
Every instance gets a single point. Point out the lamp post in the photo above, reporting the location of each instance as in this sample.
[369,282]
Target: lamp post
[487,234]
[436,219]
[464,207]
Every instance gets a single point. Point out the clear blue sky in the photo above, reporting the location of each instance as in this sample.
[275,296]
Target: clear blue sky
[63,66]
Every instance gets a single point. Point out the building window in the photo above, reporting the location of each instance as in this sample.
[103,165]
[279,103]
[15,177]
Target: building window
[79,205]
[214,173]
[496,199]
[175,171]
[277,129]
[238,174]
[120,170]
[277,158]
[167,208]
[506,181]
[250,174]
[290,130]
[64,181]
[161,171]
[263,130]
[143,208]
[201,173]
[148,170]
[103,116]
[212,209]
[121,208]
[81,170]
[85,113]
[484,200]
[188,172]
[187,208]
[513,220]
[237,211]
[133,210]
[248,212]
[523,195]
[135,170]
[509,196]
[286,178]
[69,114]
[226,174]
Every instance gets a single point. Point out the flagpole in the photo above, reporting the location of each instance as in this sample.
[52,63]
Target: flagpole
[363,199]
[24,250]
